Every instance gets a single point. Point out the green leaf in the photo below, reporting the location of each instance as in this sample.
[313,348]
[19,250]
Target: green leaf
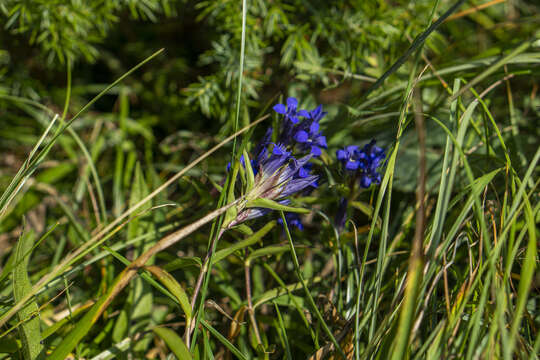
[56,173]
[222,254]
[269,250]
[283,332]
[224,340]
[277,292]
[174,287]
[366,209]
[183,262]
[29,330]
[174,342]
[271,204]
[10,263]
[244,229]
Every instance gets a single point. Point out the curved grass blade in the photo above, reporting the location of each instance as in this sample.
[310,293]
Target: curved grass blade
[223,340]
[174,287]
[174,342]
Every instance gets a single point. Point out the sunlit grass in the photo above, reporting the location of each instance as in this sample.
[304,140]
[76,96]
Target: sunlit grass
[108,252]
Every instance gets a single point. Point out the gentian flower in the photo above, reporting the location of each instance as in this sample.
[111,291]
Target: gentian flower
[279,176]
[317,114]
[348,157]
[290,111]
[311,139]
[292,219]
[307,134]
[370,157]
[275,173]
[364,163]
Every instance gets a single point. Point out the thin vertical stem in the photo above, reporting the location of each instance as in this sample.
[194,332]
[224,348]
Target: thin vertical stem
[251,312]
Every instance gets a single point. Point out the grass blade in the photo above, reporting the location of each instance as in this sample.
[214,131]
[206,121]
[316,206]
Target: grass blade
[174,342]
[29,330]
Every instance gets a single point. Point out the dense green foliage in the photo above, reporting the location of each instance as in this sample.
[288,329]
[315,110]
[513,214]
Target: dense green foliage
[442,271]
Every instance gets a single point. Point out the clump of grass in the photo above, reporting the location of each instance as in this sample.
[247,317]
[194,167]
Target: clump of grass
[110,253]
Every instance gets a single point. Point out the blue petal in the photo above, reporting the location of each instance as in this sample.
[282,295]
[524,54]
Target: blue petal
[294,119]
[279,150]
[280,109]
[341,154]
[296,185]
[303,161]
[351,165]
[303,172]
[360,155]
[316,151]
[303,113]
[292,103]
[321,141]
[253,213]
[301,136]
[365,181]
[314,127]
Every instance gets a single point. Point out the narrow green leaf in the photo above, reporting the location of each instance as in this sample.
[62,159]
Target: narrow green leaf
[174,342]
[270,204]
[222,254]
[269,250]
[244,229]
[283,333]
[183,262]
[29,330]
[174,287]
[11,263]
[280,291]
[223,340]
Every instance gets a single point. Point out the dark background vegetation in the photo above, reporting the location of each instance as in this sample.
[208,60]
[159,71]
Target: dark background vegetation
[181,103]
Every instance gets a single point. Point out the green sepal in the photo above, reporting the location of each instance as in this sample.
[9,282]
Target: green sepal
[249,172]
[271,204]
[232,213]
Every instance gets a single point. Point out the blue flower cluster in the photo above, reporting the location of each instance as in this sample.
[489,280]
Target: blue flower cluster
[363,162]
[305,134]
[281,169]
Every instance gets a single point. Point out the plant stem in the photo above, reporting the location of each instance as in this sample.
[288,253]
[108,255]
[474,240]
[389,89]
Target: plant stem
[251,312]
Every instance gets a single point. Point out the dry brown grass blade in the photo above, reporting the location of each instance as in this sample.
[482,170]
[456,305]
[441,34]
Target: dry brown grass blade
[473,9]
